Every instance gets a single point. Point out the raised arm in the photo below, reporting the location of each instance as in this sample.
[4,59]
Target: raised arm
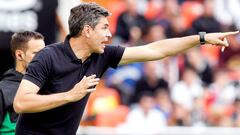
[168,47]
[28,101]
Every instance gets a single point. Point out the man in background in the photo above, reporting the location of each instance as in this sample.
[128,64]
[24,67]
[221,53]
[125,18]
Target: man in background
[24,46]
[31,15]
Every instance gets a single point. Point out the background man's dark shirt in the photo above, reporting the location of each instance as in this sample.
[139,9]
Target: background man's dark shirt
[9,83]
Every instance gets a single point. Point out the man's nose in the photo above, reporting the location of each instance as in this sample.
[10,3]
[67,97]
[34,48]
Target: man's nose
[109,34]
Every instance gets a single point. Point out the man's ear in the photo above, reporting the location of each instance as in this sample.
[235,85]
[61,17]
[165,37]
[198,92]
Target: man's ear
[19,54]
[87,30]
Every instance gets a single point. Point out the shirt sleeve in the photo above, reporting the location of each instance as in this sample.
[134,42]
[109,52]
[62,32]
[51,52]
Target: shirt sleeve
[39,69]
[114,55]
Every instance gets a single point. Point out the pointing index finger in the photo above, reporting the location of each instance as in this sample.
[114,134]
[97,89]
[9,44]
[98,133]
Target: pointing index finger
[231,33]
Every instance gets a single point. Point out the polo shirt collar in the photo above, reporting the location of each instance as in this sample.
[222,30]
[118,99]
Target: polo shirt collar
[69,52]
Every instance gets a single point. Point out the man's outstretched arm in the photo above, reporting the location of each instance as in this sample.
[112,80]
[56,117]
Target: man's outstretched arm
[168,47]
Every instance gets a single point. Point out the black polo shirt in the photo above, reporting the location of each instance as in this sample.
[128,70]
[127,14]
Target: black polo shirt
[56,69]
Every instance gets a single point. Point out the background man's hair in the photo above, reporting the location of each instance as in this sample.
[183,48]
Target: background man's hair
[19,40]
[85,14]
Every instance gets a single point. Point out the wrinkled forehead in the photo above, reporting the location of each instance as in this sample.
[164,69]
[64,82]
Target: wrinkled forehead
[103,21]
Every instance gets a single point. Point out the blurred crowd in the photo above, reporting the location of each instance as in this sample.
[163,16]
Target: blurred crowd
[198,88]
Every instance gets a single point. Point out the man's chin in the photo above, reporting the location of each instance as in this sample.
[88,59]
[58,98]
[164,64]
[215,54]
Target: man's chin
[100,51]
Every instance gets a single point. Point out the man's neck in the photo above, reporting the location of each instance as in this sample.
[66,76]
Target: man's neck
[80,48]
[20,67]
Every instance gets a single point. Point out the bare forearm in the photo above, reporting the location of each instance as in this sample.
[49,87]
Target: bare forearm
[27,99]
[169,47]
[158,50]
[37,103]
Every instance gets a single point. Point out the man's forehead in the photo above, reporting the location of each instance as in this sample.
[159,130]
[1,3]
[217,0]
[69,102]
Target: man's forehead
[104,21]
[36,43]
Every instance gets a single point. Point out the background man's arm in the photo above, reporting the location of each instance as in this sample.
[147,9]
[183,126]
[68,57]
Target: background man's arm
[168,47]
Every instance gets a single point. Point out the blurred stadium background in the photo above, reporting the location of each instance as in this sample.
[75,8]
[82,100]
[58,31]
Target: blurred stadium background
[194,93]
